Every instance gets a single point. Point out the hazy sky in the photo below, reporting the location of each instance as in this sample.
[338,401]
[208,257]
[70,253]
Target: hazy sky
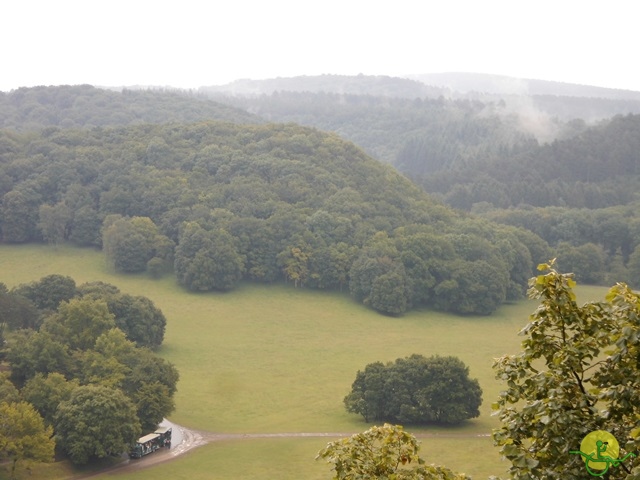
[190,43]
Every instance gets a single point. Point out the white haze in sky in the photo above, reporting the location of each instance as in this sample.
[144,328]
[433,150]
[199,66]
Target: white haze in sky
[190,43]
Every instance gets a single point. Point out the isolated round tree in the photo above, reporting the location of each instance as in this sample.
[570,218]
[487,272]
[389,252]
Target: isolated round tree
[416,390]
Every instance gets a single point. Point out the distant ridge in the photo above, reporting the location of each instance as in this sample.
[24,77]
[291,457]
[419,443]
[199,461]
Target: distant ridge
[85,106]
[538,100]
[425,85]
[463,82]
[378,85]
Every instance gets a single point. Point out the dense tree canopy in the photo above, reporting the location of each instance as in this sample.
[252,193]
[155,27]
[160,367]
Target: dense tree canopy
[417,135]
[141,321]
[356,85]
[263,202]
[48,292]
[481,156]
[17,312]
[46,392]
[596,244]
[379,279]
[26,305]
[86,106]
[32,352]
[80,322]
[220,202]
[8,391]
[92,343]
[476,151]
[415,390]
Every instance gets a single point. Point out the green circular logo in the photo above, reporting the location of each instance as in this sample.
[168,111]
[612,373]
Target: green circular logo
[598,443]
[599,451]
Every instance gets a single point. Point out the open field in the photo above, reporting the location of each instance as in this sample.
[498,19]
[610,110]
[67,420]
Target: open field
[292,459]
[272,358]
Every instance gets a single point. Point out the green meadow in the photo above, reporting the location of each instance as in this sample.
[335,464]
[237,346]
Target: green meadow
[276,359]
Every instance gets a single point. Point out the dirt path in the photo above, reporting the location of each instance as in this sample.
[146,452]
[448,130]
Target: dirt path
[185,440]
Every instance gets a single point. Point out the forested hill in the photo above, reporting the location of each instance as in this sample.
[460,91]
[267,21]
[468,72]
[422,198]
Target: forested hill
[418,127]
[595,169]
[86,106]
[579,194]
[390,129]
[526,97]
[475,155]
[217,202]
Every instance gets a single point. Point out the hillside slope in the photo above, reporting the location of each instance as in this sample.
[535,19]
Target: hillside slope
[387,127]
[421,128]
[379,86]
[84,106]
[464,82]
[260,202]
[598,168]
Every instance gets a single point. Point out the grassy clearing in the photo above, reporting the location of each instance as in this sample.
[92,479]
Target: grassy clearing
[272,358]
[284,459]
[293,459]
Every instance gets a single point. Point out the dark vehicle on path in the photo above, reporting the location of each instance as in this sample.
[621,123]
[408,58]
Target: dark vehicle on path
[151,442]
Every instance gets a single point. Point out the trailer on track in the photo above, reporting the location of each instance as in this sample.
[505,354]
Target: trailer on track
[151,442]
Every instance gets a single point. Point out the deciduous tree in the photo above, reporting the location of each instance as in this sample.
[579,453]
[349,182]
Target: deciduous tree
[129,243]
[19,212]
[23,435]
[79,322]
[386,452]
[85,227]
[153,402]
[586,262]
[36,352]
[634,267]
[207,260]
[46,392]
[111,416]
[48,292]
[18,312]
[378,278]
[138,318]
[578,372]
[54,222]
[390,292]
[8,391]
[415,390]
[294,262]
